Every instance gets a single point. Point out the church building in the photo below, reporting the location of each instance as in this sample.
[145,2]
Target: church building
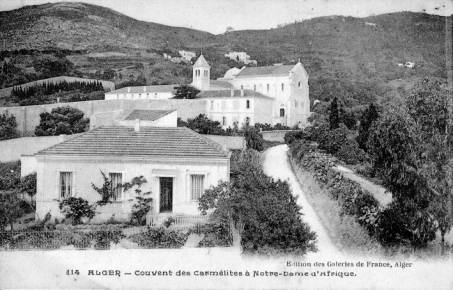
[266,94]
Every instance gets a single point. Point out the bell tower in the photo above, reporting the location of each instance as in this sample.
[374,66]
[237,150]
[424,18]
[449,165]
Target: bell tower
[201,74]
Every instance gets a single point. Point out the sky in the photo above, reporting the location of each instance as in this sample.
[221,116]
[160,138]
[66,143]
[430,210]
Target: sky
[215,15]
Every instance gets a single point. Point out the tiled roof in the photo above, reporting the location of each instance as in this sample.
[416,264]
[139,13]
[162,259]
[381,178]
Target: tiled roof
[220,84]
[227,94]
[201,62]
[148,142]
[266,70]
[146,89]
[147,115]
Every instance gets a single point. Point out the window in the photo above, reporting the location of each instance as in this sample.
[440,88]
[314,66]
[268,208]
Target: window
[242,87]
[299,84]
[116,181]
[282,112]
[283,87]
[139,96]
[197,186]
[247,121]
[212,105]
[247,104]
[205,73]
[65,184]
[254,88]
[223,121]
[268,87]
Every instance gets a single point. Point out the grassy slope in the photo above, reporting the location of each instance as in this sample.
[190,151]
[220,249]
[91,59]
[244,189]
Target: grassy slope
[344,56]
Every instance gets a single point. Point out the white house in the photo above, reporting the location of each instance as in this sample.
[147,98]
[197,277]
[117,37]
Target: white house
[238,107]
[187,55]
[240,56]
[177,163]
[142,92]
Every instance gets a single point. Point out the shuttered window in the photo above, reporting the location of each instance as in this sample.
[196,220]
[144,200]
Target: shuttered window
[197,181]
[65,184]
[116,181]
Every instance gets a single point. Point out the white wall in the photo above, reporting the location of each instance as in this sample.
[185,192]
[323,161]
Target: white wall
[87,171]
[139,96]
[28,165]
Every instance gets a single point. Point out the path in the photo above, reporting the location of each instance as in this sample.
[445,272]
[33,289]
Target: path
[379,192]
[276,164]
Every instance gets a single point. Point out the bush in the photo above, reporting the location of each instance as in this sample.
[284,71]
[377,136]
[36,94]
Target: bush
[332,140]
[405,224]
[62,120]
[8,126]
[350,153]
[76,208]
[160,238]
[292,136]
[216,234]
[104,238]
[253,139]
[9,175]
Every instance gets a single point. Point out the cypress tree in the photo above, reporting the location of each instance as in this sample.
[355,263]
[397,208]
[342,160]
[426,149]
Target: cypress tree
[334,119]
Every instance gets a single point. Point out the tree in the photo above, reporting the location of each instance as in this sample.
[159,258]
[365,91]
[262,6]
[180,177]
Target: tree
[10,209]
[395,147]
[62,120]
[370,115]
[334,119]
[428,106]
[253,139]
[262,209]
[203,125]
[7,126]
[186,92]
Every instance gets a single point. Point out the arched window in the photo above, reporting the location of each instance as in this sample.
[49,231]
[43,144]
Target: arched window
[282,112]
[283,87]
[268,88]
[299,84]
[223,121]
[247,104]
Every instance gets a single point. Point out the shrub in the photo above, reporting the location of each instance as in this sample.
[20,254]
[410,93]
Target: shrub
[8,126]
[160,238]
[404,224]
[350,152]
[9,175]
[292,136]
[76,208]
[62,120]
[332,140]
[253,139]
[104,238]
[216,234]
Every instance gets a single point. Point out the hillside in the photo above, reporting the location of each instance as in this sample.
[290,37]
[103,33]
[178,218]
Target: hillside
[353,58]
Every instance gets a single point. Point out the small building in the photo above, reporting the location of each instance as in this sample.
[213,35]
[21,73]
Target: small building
[187,55]
[142,93]
[178,164]
[238,107]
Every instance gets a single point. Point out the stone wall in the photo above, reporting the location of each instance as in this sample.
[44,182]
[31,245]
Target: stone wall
[27,117]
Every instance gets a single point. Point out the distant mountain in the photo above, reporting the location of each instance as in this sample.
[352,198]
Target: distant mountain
[354,58]
[88,27]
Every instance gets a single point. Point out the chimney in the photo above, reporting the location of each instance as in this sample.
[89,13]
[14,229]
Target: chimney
[232,93]
[137,125]
[242,92]
[129,89]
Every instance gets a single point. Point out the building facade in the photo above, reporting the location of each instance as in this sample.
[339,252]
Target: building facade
[177,163]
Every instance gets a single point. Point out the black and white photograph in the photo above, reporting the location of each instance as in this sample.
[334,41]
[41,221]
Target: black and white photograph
[226,144]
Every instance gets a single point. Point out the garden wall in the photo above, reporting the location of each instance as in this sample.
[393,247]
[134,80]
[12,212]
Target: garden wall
[27,117]
[275,135]
[12,149]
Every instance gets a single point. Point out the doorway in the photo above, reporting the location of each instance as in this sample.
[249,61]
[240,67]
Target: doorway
[166,194]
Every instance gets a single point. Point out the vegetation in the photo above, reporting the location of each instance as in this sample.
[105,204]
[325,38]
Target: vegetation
[334,118]
[263,210]
[370,115]
[253,139]
[143,203]
[203,125]
[49,92]
[8,126]
[76,208]
[160,238]
[62,120]
[186,92]
[106,190]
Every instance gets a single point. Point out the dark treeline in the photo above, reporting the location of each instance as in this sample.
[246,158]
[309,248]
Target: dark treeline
[53,51]
[44,89]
